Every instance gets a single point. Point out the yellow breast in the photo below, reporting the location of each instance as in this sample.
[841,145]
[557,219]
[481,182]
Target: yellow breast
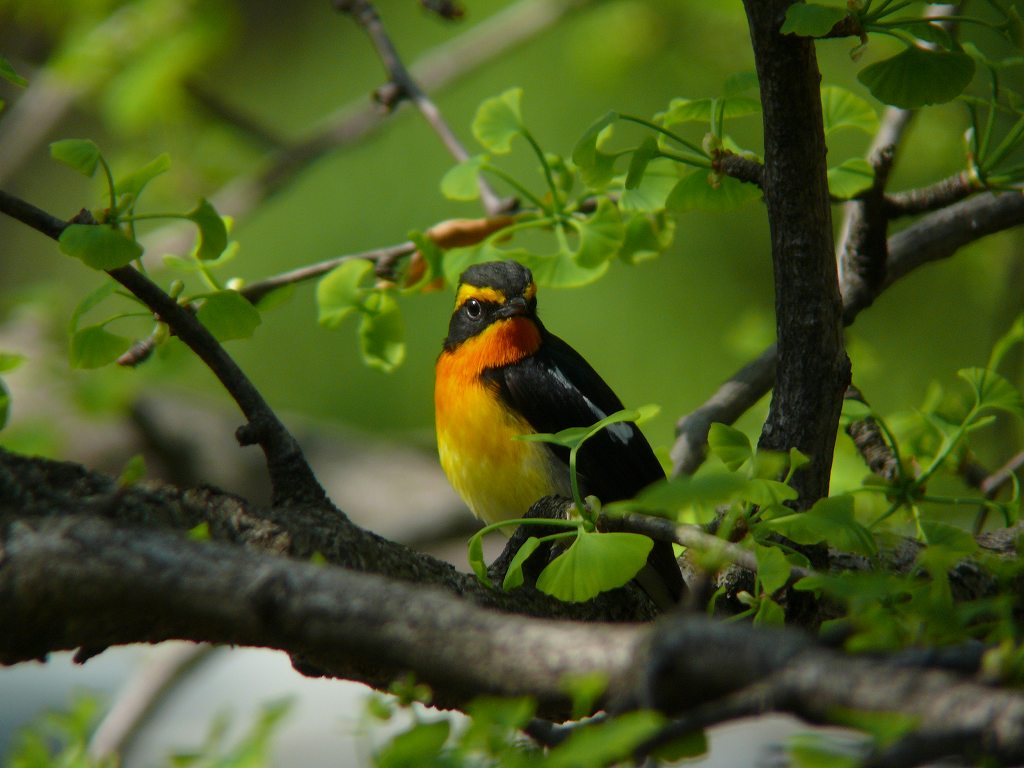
[497,476]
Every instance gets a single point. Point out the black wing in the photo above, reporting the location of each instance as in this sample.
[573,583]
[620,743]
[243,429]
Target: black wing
[555,389]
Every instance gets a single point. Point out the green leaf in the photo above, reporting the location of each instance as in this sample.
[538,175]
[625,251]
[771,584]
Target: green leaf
[769,613]
[765,492]
[693,744]
[514,575]
[10,360]
[701,110]
[642,155]
[594,563]
[596,167]
[665,497]
[811,20]
[702,190]
[585,689]
[338,294]
[382,332]
[416,747]
[797,460]
[136,181]
[814,750]
[462,182]
[993,391]
[842,109]
[730,445]
[957,541]
[646,236]
[489,712]
[651,194]
[94,347]
[607,742]
[7,73]
[475,555]
[80,154]
[601,236]
[830,520]
[213,234]
[276,297]
[850,178]
[740,82]
[918,77]
[133,471]
[499,120]
[930,32]
[99,247]
[773,568]
[856,410]
[105,289]
[228,315]
[559,270]
[574,436]
[1014,336]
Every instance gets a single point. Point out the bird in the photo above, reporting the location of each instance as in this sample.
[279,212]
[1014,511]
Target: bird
[501,373]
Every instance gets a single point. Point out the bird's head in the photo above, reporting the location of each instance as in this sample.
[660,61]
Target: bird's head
[490,294]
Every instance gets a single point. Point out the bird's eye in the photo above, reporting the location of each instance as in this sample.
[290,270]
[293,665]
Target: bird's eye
[474,309]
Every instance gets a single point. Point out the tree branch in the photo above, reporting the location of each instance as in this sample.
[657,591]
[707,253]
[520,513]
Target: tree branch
[934,237]
[38,488]
[404,86]
[813,369]
[290,475]
[80,581]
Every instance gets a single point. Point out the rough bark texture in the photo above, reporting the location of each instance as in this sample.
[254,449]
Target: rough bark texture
[38,488]
[813,370]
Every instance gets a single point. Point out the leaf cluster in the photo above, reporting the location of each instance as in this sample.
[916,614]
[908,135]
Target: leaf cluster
[493,735]
[110,242]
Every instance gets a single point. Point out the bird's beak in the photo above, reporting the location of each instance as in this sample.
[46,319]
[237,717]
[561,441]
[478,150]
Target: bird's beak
[513,307]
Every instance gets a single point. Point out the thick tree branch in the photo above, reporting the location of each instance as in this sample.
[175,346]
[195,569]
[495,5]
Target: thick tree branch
[813,369]
[31,488]
[69,582]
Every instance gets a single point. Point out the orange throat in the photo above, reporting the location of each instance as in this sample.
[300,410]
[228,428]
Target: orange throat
[497,476]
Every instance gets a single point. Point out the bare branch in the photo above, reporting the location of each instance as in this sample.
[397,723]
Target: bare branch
[931,198]
[403,86]
[871,443]
[740,168]
[142,694]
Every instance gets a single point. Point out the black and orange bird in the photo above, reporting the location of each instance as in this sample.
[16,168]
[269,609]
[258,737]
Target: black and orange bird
[502,374]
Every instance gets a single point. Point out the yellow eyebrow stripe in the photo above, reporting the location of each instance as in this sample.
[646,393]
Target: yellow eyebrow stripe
[467,292]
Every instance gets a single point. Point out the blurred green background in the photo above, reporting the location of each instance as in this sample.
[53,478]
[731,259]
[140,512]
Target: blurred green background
[126,73]
[667,331]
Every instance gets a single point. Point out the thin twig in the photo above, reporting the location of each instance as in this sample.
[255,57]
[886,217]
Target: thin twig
[290,474]
[871,443]
[143,693]
[693,537]
[404,86]
[931,198]
[437,69]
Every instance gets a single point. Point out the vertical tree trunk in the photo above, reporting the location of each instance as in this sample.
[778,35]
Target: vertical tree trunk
[813,369]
